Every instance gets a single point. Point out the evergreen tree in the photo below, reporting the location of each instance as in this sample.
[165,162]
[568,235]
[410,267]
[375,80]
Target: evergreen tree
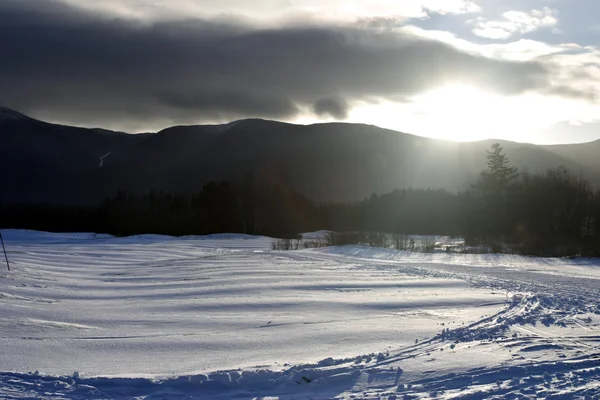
[500,174]
[496,194]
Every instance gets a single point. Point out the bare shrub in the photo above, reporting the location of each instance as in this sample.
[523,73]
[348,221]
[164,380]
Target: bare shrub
[286,244]
[398,241]
[320,241]
[428,245]
[346,238]
[377,239]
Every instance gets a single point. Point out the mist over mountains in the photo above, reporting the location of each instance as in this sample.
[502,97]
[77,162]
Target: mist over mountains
[56,164]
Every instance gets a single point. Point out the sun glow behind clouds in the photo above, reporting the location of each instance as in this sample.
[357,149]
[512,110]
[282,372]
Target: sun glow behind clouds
[456,111]
[465,113]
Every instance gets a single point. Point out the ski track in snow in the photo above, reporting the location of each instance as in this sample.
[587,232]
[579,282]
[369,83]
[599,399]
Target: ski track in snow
[224,317]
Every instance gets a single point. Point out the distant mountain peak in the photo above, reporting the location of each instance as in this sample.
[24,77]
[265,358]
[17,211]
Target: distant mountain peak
[213,128]
[7,114]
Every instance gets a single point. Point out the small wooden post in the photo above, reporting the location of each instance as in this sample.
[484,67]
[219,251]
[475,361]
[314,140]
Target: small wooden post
[4,248]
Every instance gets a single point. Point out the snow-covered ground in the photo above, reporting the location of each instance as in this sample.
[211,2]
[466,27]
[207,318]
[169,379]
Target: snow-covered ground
[85,316]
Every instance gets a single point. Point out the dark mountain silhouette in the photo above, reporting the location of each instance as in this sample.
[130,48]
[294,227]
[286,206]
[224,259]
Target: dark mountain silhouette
[58,164]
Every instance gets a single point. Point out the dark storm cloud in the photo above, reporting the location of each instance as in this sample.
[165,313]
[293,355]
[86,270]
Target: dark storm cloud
[88,69]
[334,107]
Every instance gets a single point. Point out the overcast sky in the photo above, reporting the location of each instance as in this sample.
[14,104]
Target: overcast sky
[526,70]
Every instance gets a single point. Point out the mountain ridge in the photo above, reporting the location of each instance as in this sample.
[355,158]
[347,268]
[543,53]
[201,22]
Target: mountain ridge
[61,164]
[233,122]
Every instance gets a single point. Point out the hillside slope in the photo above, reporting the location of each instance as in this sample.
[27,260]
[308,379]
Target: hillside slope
[59,164]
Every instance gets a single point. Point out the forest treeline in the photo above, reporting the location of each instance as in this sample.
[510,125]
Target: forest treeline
[251,207]
[548,214]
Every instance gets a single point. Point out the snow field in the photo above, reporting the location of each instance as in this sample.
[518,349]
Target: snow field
[223,317]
